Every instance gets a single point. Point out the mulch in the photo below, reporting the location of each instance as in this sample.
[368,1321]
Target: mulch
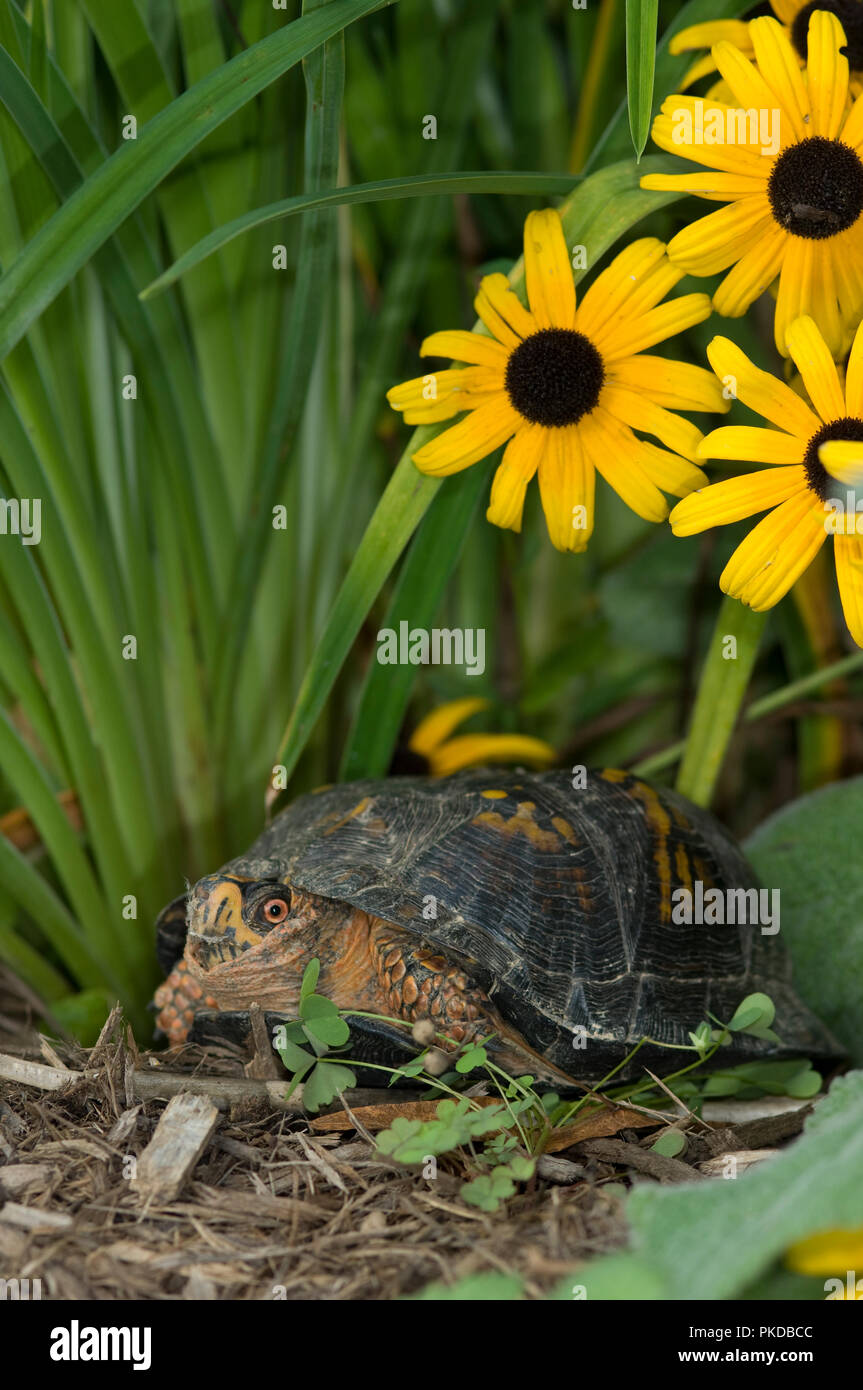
[272,1208]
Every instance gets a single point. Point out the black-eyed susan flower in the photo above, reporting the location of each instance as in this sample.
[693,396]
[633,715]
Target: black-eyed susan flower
[568,385]
[434,749]
[806,501]
[794,16]
[794,213]
[836,1254]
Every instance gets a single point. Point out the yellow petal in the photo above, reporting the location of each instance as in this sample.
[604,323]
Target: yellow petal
[714,241]
[488,750]
[828,1252]
[496,291]
[654,327]
[816,366]
[483,431]
[668,471]
[440,723]
[843,460]
[757,268]
[639,412]
[826,73]
[847,250]
[852,130]
[735,498]
[462,346]
[780,68]
[750,445]
[675,385]
[566,486]
[854,377]
[795,297]
[848,551]
[548,271]
[520,462]
[721,188]
[609,297]
[613,450]
[678,120]
[752,91]
[762,392]
[711,32]
[775,553]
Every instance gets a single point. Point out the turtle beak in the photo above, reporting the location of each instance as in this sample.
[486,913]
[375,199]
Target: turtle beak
[217,931]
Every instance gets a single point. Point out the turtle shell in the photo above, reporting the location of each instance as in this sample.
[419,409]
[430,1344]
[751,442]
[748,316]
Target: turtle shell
[558,900]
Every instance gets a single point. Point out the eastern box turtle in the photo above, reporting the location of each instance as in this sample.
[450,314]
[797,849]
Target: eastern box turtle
[505,901]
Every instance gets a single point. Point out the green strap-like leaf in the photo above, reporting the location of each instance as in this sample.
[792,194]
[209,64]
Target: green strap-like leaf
[641,16]
[419,186]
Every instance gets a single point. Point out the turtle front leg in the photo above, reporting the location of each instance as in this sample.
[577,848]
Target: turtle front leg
[178,1000]
[420,983]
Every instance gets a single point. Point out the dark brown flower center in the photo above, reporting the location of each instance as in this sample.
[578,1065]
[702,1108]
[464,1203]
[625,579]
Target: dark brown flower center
[816,188]
[817,477]
[554,377]
[850,16]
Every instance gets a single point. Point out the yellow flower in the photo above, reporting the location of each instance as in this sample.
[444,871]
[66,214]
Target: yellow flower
[794,15]
[794,213]
[806,503]
[834,1253]
[444,755]
[567,385]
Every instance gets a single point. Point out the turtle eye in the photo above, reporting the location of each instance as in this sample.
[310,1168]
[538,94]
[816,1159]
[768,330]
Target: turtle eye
[273,911]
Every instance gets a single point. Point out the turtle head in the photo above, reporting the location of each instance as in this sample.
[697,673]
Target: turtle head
[228,916]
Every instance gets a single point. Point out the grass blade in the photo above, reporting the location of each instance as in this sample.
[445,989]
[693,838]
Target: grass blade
[641,17]
[89,217]
[428,565]
[420,186]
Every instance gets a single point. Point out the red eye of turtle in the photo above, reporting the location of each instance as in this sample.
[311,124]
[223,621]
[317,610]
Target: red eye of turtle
[274,910]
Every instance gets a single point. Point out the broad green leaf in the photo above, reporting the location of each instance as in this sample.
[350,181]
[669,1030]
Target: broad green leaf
[810,851]
[296,1059]
[328,1029]
[310,978]
[669,1144]
[709,1240]
[114,190]
[641,18]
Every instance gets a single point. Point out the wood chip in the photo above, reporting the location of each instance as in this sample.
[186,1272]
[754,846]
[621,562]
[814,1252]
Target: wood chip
[181,1136]
[316,1158]
[25,1177]
[731,1165]
[33,1218]
[736,1112]
[559,1170]
[36,1073]
[642,1160]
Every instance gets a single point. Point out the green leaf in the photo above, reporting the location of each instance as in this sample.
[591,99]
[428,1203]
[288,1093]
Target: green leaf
[113,191]
[810,852]
[296,1059]
[756,1009]
[416,597]
[721,688]
[641,19]
[474,1057]
[669,1144]
[536,185]
[490,1287]
[329,1029]
[709,1240]
[310,979]
[82,1014]
[324,1083]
